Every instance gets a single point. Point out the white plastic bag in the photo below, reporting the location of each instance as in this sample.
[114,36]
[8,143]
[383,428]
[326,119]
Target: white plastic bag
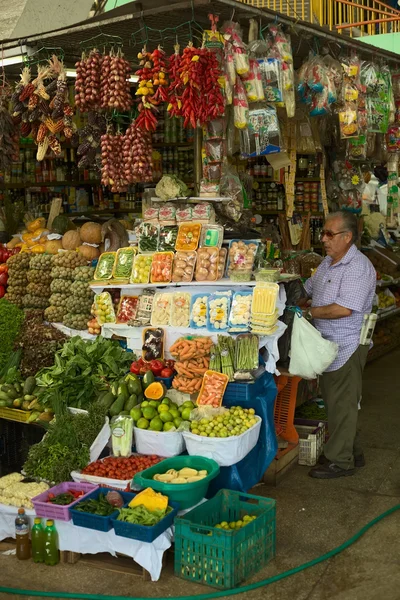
[310,354]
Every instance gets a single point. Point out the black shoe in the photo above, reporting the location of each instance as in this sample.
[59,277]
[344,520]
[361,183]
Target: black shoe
[330,471]
[359,461]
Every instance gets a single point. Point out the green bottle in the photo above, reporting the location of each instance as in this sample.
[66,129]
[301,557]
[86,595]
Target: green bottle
[51,554]
[37,539]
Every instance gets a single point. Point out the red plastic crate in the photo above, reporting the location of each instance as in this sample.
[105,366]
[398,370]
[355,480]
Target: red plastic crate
[285,406]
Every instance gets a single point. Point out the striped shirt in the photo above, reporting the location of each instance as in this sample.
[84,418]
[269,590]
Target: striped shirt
[351,283]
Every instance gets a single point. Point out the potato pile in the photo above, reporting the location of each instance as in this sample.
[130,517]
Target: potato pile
[38,289]
[18,266]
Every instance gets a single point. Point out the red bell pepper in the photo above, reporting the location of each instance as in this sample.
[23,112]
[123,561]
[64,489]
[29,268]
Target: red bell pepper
[135,368]
[156,366]
[167,372]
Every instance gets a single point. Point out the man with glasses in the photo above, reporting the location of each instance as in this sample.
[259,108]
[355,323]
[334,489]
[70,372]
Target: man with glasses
[339,294]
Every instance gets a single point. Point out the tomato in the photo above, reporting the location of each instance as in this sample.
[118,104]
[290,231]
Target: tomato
[156,366]
[135,368]
[167,372]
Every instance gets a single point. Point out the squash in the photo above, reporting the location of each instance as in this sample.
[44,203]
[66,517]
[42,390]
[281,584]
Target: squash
[89,252]
[155,391]
[38,249]
[13,243]
[53,246]
[33,225]
[40,232]
[91,233]
[71,240]
[61,224]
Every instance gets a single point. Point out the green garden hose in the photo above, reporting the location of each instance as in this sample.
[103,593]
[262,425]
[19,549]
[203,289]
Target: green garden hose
[240,590]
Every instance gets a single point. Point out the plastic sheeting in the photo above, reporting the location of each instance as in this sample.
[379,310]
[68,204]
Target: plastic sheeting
[249,471]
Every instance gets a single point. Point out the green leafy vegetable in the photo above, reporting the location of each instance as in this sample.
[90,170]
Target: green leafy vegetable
[11,319]
[83,369]
[100,507]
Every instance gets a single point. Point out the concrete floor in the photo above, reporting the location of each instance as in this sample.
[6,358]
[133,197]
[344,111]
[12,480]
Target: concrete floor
[312,518]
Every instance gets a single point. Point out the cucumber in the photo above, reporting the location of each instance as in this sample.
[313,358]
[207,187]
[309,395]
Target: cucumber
[123,390]
[117,406]
[29,386]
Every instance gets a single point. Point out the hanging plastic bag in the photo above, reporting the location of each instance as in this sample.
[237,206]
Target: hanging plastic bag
[262,135]
[233,35]
[252,83]
[310,353]
[240,105]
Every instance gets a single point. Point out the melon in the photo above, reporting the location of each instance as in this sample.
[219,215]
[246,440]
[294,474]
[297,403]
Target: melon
[62,224]
[89,252]
[71,240]
[53,246]
[91,233]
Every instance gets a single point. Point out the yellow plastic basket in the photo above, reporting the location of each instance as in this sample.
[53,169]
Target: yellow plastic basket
[14,414]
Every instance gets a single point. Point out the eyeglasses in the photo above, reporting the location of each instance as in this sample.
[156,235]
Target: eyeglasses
[329,234]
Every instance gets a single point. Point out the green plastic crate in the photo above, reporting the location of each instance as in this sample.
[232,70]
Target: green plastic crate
[220,558]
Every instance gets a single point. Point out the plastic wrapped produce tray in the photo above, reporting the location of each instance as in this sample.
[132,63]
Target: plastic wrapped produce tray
[97,522]
[48,510]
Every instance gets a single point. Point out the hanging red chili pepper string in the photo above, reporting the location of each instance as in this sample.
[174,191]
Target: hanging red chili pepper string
[175,88]
[146,119]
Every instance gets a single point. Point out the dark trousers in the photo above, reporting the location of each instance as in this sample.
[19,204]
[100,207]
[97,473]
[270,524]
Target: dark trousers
[341,392]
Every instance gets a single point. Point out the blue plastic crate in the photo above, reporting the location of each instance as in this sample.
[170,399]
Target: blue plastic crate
[242,392]
[142,532]
[167,381]
[97,522]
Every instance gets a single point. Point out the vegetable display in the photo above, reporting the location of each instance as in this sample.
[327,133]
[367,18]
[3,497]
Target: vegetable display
[235,421]
[11,319]
[161,415]
[15,492]
[185,475]
[66,498]
[101,506]
[212,389]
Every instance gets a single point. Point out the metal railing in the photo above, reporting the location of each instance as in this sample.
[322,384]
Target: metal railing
[351,17]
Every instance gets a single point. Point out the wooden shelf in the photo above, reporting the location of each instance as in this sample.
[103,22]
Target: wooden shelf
[11,186]
[107,211]
[315,179]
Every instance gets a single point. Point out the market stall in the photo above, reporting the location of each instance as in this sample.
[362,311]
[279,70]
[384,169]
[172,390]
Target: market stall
[154,338]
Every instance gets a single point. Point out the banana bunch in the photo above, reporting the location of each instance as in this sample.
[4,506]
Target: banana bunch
[185,475]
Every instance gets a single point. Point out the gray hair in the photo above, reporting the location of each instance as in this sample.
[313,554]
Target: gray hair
[349,220]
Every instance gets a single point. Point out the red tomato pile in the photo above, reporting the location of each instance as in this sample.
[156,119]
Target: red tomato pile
[121,468]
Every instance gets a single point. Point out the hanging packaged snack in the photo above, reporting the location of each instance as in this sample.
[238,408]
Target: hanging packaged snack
[123,264]
[161,267]
[239,316]
[214,150]
[153,344]
[161,313]
[213,389]
[393,138]
[148,237]
[150,214]
[240,105]
[212,172]
[241,256]
[377,114]
[348,121]
[218,311]
[145,308]
[180,310]
[270,71]
[262,136]
[211,235]
[127,309]
[183,266]
[167,238]
[207,264]
[357,148]
[105,266]
[233,39]
[222,262]
[188,236]
[253,83]
[199,311]
[141,268]
[264,299]
[104,308]
[216,128]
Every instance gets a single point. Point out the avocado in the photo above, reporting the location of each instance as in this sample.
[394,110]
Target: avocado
[123,390]
[3,396]
[148,378]
[134,386]
[12,393]
[18,387]
[107,400]
[131,402]
[29,385]
[117,406]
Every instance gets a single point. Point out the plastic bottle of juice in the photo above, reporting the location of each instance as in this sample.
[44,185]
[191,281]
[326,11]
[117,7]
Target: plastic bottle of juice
[22,535]
[51,554]
[37,539]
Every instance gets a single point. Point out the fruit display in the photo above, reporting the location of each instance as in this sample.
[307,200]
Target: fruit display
[188,236]
[77,300]
[120,468]
[93,327]
[104,308]
[75,320]
[38,292]
[62,273]
[161,415]
[235,421]
[185,475]
[83,273]
[70,259]
[161,267]
[18,266]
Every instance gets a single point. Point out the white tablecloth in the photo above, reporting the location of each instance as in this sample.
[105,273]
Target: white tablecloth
[89,541]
